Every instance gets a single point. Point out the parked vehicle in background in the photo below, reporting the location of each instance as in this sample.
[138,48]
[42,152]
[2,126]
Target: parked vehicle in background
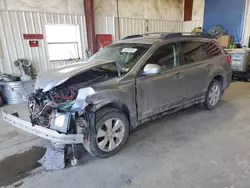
[98,103]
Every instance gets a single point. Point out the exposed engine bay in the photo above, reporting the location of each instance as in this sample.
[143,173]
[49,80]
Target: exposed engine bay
[45,107]
[42,105]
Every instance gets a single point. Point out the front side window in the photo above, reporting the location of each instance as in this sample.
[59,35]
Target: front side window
[125,54]
[166,56]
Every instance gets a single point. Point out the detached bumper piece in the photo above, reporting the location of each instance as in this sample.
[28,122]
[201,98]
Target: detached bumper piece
[42,132]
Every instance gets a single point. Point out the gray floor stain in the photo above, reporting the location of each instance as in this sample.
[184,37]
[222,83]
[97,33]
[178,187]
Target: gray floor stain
[17,167]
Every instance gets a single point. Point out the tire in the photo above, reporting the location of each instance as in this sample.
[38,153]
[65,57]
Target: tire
[246,77]
[210,102]
[1,102]
[96,138]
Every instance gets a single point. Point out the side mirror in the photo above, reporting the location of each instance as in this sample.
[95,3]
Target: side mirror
[151,69]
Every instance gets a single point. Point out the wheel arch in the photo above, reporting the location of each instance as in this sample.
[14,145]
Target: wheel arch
[217,74]
[119,106]
[219,78]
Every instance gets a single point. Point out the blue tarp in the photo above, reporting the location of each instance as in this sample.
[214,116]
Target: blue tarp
[227,13]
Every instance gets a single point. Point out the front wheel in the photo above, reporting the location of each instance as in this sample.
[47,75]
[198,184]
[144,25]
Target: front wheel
[109,134]
[213,95]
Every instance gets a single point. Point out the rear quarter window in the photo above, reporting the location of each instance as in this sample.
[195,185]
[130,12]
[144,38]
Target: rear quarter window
[212,49]
[195,51]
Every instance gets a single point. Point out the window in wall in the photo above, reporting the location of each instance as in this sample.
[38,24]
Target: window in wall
[166,56]
[63,42]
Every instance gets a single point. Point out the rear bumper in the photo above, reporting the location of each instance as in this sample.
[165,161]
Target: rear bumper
[42,132]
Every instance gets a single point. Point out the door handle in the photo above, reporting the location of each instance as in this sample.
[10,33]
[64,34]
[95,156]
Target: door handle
[179,75]
[209,67]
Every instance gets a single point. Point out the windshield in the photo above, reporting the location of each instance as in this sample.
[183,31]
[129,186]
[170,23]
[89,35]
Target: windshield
[126,54]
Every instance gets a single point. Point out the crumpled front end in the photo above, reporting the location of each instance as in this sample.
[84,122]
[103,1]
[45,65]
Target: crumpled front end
[59,106]
[46,133]
[57,115]
[51,109]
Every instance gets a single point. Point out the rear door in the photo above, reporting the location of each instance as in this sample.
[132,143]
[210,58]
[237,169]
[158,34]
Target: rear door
[199,59]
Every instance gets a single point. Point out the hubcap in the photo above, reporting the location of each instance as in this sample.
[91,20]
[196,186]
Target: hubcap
[214,95]
[110,134]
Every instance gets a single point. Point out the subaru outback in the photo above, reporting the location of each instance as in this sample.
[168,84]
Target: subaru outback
[142,77]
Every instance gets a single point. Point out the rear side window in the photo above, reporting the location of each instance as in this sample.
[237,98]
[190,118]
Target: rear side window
[212,49]
[195,51]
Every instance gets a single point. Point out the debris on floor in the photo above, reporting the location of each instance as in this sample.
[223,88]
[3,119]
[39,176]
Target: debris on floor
[54,158]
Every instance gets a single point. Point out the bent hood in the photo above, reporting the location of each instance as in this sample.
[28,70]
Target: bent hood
[54,77]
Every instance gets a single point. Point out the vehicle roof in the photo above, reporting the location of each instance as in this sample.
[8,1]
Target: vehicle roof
[141,40]
[151,39]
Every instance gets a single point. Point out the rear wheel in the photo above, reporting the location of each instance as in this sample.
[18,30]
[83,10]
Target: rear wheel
[213,95]
[109,134]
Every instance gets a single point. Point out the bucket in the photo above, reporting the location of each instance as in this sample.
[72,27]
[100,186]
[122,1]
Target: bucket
[16,92]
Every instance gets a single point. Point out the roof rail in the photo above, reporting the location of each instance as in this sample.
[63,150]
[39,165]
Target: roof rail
[132,36]
[175,35]
[166,35]
[145,35]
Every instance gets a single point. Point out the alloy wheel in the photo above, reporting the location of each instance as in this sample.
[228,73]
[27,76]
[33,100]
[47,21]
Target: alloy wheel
[110,134]
[214,95]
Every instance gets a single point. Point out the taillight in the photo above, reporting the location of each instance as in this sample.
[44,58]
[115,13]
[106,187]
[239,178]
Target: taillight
[228,58]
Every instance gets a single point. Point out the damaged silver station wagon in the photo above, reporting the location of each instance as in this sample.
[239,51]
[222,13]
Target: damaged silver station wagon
[142,77]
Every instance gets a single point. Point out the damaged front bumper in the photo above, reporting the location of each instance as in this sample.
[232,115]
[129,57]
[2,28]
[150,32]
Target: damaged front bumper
[42,132]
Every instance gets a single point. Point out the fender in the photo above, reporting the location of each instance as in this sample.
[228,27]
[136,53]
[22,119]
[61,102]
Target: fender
[217,71]
[123,100]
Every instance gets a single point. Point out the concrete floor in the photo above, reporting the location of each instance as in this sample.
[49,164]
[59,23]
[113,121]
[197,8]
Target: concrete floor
[12,140]
[194,148]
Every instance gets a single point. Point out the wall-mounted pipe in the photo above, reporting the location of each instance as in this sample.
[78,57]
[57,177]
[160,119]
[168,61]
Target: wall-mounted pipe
[90,24]
[118,19]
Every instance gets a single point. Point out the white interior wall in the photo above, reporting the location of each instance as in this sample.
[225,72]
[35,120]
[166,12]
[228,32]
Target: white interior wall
[246,29]
[48,6]
[171,10]
[2,5]
[198,10]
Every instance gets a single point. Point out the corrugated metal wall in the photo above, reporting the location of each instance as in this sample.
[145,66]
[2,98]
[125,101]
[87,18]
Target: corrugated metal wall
[13,24]
[105,25]
[130,26]
[165,26]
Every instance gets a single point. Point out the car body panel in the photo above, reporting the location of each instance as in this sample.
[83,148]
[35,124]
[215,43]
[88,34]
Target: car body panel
[54,77]
[156,93]
[115,91]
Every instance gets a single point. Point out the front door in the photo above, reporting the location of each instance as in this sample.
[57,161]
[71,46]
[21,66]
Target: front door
[158,93]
